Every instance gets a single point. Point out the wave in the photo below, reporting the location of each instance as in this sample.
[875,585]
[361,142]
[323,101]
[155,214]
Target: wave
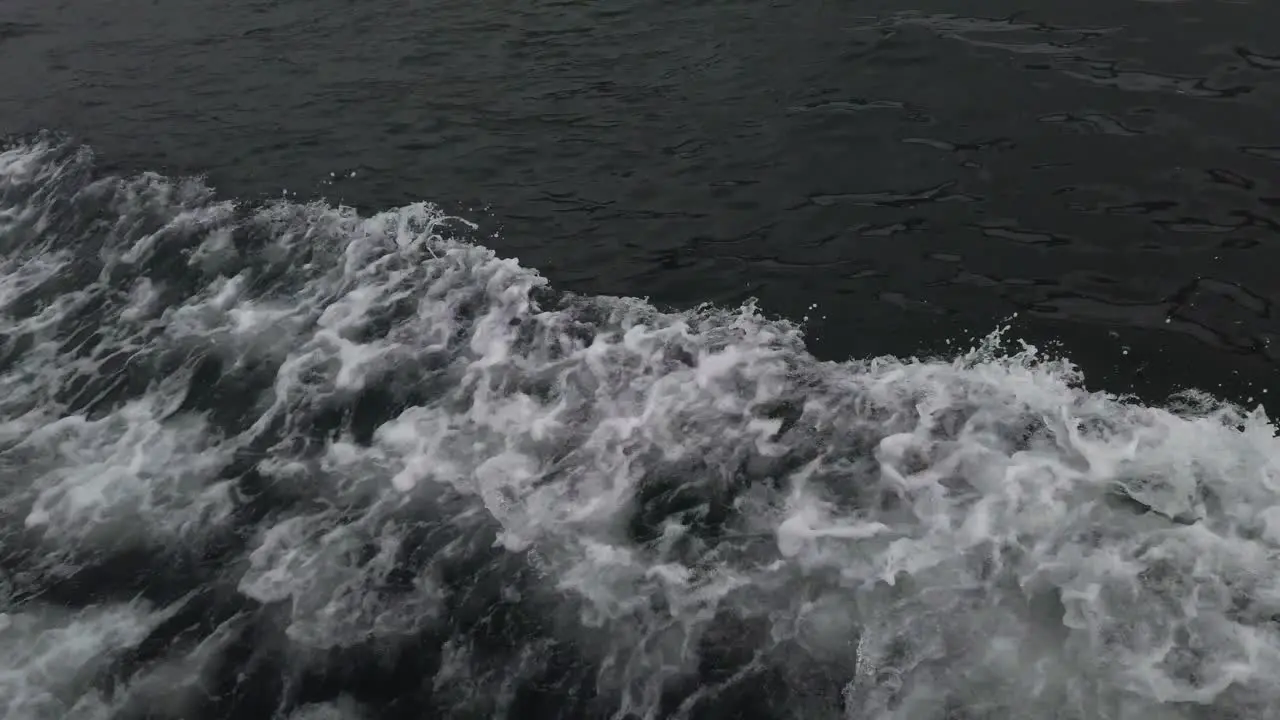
[285,460]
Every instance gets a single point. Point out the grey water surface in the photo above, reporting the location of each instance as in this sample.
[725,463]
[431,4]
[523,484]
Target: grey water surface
[638,360]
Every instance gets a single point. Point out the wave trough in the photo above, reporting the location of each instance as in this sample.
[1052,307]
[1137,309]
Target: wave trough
[288,461]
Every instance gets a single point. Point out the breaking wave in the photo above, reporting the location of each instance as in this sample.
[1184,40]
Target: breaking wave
[288,461]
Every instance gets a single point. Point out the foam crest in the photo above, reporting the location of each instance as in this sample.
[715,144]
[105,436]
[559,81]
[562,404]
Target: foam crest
[368,439]
[48,658]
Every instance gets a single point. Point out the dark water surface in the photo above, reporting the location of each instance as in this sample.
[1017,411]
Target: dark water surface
[917,173]
[376,471]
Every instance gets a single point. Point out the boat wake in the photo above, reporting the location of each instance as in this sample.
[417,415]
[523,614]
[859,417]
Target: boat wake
[288,461]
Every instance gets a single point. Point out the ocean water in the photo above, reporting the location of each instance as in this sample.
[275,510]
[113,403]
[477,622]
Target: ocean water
[286,459]
[755,360]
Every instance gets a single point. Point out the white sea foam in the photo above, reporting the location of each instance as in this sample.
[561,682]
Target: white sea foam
[974,537]
[48,657]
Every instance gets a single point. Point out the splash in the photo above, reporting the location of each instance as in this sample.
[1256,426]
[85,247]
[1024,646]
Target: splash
[285,460]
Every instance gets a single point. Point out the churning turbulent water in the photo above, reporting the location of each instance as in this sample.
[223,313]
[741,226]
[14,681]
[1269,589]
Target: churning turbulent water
[288,461]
